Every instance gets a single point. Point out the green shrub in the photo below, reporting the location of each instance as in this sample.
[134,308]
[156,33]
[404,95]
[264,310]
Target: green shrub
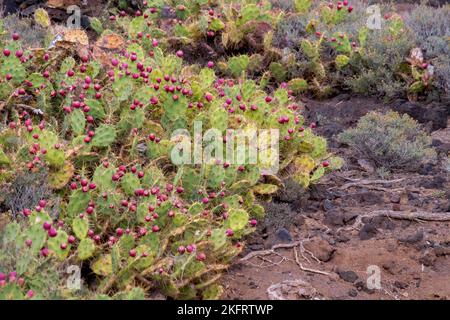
[391,141]
[376,68]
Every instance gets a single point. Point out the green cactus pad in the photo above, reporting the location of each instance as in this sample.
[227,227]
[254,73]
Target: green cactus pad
[103,265]
[129,183]
[265,189]
[59,179]
[38,236]
[86,249]
[80,227]
[54,244]
[122,88]
[302,6]
[195,208]
[213,292]
[341,61]
[78,202]
[104,136]
[237,219]
[298,85]
[310,50]
[278,71]
[207,77]
[218,238]
[77,121]
[103,177]
[95,109]
[238,64]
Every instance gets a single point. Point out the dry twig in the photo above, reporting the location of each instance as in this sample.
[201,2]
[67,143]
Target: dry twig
[270,251]
[260,254]
[308,269]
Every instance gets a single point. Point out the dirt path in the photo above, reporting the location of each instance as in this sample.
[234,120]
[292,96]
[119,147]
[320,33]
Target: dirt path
[412,256]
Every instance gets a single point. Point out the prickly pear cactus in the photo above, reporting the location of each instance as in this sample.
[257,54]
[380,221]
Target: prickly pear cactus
[120,206]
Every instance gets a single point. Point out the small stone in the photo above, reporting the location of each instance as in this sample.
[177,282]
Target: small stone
[253,285]
[442,251]
[342,238]
[334,218]
[256,247]
[428,258]
[443,148]
[283,235]
[348,276]
[327,205]
[349,216]
[413,196]
[436,183]
[415,238]
[401,285]
[298,220]
[314,225]
[363,197]
[382,223]
[359,285]
[367,290]
[390,266]
[426,169]
[395,198]
[352,293]
[391,247]
[366,165]
[396,207]
[368,231]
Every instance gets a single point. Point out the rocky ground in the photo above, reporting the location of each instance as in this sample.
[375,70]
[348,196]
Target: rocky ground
[330,243]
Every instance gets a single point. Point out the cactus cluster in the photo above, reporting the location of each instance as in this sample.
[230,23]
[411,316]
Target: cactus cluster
[97,126]
[101,130]
[125,212]
[330,51]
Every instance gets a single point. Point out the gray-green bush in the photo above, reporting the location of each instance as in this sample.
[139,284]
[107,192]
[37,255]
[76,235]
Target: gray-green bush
[391,141]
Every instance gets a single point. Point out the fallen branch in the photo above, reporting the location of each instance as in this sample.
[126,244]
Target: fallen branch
[271,263]
[412,216]
[270,251]
[399,215]
[363,182]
